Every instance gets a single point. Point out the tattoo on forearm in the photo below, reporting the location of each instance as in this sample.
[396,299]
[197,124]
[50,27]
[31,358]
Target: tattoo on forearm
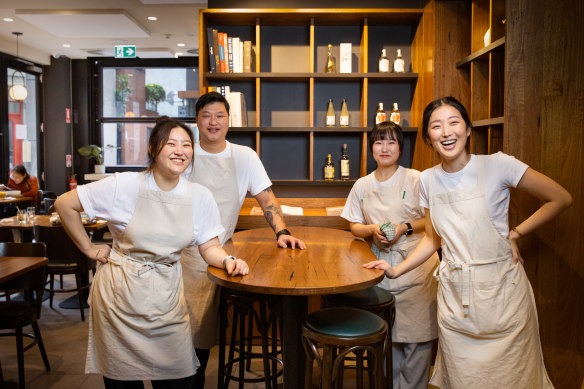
[269,213]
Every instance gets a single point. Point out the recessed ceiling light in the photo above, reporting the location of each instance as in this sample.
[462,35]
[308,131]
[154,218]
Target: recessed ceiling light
[180,44]
[8,19]
[66,45]
[152,18]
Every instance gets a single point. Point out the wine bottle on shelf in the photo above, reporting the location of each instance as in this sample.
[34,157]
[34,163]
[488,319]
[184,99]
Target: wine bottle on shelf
[395,115]
[329,169]
[380,114]
[383,62]
[330,114]
[330,64]
[344,163]
[344,117]
[399,64]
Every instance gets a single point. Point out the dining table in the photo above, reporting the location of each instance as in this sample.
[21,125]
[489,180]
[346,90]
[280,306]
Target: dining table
[331,263]
[42,220]
[12,199]
[11,267]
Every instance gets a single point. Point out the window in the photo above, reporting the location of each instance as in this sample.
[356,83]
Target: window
[131,99]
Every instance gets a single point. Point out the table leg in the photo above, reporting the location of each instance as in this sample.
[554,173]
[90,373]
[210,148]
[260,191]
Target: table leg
[294,311]
[73,301]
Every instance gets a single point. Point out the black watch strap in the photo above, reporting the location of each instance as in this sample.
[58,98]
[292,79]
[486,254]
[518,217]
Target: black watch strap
[282,232]
[410,230]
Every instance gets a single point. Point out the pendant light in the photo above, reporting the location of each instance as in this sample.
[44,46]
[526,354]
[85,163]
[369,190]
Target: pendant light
[18,92]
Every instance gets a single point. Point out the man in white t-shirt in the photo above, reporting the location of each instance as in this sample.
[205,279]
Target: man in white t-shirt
[230,171]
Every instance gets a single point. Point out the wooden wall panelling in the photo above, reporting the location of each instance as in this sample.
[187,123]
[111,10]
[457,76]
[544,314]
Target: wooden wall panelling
[479,100]
[544,116]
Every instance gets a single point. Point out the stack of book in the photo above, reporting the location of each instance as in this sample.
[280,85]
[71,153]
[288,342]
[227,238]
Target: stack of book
[228,54]
[237,107]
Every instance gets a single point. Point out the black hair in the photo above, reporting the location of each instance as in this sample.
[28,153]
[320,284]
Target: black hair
[159,137]
[210,98]
[430,108]
[20,169]
[387,130]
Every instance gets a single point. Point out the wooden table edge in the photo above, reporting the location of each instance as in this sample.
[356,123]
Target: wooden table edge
[34,264]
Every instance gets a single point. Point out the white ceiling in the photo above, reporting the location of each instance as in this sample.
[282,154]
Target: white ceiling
[94,27]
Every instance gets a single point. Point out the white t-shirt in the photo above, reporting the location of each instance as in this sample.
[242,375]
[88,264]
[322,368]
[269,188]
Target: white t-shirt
[114,199]
[501,172]
[249,170]
[353,211]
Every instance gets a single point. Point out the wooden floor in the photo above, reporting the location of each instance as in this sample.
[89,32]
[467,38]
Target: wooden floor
[65,338]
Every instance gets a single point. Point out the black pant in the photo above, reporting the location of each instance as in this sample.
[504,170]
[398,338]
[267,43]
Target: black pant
[180,383]
[203,355]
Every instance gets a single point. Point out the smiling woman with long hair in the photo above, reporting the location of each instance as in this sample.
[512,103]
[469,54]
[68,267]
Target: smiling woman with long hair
[487,321]
[139,325]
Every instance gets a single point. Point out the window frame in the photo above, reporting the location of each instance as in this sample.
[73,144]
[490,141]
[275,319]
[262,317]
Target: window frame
[96,99]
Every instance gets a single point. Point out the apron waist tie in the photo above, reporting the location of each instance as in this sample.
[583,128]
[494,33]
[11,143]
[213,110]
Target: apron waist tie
[465,268]
[118,258]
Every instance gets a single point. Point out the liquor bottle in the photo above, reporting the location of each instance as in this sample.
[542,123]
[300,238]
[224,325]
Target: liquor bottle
[383,62]
[395,116]
[330,64]
[330,114]
[329,169]
[344,163]
[399,64]
[344,117]
[380,114]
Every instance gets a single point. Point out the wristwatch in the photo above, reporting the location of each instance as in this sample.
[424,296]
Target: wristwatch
[229,257]
[410,230]
[282,232]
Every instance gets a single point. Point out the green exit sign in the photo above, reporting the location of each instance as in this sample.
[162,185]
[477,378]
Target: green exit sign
[125,51]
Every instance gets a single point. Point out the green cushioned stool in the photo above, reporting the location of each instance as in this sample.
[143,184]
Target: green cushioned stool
[375,300]
[346,330]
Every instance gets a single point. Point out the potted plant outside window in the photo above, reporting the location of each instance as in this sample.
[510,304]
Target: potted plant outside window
[94,152]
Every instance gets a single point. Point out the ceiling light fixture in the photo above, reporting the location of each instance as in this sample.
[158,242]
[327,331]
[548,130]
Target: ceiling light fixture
[18,92]
[152,18]
[180,44]
[66,45]
[8,19]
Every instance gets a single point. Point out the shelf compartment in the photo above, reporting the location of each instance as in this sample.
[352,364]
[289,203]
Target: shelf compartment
[390,38]
[296,76]
[285,156]
[325,143]
[488,122]
[482,54]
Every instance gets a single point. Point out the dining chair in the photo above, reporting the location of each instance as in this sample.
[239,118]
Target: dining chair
[45,200]
[17,314]
[10,249]
[64,258]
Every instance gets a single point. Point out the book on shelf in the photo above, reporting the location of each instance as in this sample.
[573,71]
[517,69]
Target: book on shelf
[216,48]
[225,53]
[230,53]
[221,52]
[237,110]
[247,57]
[235,46]
[240,60]
[211,50]
[294,211]
[334,211]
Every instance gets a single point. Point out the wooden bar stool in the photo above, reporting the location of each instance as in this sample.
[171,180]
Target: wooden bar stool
[243,305]
[350,330]
[375,300]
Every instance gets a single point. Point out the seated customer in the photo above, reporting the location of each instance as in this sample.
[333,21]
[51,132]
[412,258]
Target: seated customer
[22,181]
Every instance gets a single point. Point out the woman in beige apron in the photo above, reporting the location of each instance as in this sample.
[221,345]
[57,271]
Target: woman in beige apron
[391,193]
[139,325]
[487,320]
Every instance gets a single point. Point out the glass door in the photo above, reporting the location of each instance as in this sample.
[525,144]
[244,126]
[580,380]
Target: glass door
[23,124]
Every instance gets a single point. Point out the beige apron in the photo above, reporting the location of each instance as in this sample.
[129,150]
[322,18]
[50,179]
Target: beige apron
[139,326]
[202,294]
[488,329]
[415,291]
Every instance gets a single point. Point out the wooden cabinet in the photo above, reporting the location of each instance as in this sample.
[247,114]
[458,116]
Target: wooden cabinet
[485,68]
[287,92]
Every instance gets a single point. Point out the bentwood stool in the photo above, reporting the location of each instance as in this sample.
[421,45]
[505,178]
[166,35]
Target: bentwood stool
[375,300]
[243,307]
[349,330]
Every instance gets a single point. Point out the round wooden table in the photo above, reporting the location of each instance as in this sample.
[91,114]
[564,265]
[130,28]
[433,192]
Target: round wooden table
[331,263]
[41,220]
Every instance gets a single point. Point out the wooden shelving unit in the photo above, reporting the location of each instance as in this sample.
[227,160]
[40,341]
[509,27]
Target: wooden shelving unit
[287,94]
[486,64]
